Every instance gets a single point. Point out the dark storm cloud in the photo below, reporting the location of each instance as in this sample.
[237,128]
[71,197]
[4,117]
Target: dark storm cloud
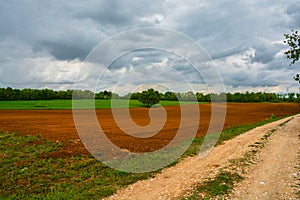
[69,30]
[44,42]
[64,51]
[292,10]
[110,13]
[266,51]
[48,26]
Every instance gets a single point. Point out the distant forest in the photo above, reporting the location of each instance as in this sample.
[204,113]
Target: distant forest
[7,94]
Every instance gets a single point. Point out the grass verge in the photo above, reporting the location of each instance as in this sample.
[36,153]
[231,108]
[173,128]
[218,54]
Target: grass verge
[29,172]
[219,185]
[228,134]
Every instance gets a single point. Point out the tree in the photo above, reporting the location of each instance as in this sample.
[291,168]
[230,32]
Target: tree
[149,97]
[291,97]
[297,78]
[107,94]
[293,40]
[171,96]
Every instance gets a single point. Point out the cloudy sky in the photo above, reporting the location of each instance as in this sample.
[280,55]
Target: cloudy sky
[46,43]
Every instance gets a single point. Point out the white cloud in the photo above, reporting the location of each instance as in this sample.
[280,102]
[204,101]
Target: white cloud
[40,72]
[42,44]
[136,59]
[153,19]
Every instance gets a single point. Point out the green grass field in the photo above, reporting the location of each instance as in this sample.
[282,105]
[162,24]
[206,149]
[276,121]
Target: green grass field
[28,171]
[67,104]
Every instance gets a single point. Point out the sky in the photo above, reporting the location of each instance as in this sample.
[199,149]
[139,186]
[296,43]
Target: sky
[48,44]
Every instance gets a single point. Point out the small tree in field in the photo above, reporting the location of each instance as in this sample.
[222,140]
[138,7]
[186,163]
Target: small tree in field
[149,97]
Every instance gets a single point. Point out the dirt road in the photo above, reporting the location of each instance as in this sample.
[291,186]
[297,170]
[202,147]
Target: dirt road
[276,173]
[272,177]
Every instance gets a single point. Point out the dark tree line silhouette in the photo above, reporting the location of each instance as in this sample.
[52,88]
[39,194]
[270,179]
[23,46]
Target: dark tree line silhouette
[49,94]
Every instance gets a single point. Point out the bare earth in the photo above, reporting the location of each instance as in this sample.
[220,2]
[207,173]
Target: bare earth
[272,177]
[58,125]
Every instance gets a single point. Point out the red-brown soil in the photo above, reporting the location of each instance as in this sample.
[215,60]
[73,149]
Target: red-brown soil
[58,125]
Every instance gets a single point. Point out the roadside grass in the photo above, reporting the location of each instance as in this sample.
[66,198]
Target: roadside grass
[28,171]
[67,104]
[228,134]
[212,187]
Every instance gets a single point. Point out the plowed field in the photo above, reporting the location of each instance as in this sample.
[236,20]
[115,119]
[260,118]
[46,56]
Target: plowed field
[58,125]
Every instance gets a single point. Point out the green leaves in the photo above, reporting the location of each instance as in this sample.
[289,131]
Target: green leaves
[293,40]
[297,78]
[149,97]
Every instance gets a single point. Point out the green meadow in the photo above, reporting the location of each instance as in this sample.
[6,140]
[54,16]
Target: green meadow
[67,104]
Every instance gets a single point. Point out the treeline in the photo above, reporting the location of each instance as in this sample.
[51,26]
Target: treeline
[235,97]
[49,94]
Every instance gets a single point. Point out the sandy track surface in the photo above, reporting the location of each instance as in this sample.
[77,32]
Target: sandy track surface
[275,175]
[270,179]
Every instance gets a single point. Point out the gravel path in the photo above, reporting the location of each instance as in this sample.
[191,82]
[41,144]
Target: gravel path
[271,178]
[277,170]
